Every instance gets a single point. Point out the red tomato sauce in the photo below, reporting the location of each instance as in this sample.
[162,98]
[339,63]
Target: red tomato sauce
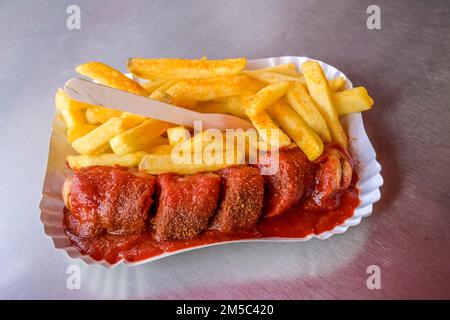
[295,223]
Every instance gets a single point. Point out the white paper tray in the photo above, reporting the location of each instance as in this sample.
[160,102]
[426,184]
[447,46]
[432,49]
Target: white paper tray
[367,167]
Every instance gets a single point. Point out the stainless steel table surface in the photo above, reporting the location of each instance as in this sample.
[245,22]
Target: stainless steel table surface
[405,65]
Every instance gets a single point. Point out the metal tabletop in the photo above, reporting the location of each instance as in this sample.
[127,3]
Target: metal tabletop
[405,65]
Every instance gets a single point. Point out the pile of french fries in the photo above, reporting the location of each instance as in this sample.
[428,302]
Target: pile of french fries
[303,106]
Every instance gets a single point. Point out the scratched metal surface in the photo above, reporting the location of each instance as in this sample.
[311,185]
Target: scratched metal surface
[405,66]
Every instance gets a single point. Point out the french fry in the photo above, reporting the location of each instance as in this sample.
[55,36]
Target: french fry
[61,99]
[98,138]
[91,117]
[160,149]
[246,141]
[321,95]
[302,103]
[73,117]
[139,137]
[308,115]
[220,151]
[131,120]
[271,77]
[154,84]
[213,106]
[162,163]
[184,69]
[288,69]
[352,100]
[96,114]
[108,159]
[102,150]
[268,130]
[110,77]
[63,102]
[188,104]
[177,135]
[78,130]
[297,129]
[72,113]
[161,94]
[203,142]
[169,84]
[237,105]
[266,97]
[234,105]
[155,143]
[336,84]
[215,88]
[195,143]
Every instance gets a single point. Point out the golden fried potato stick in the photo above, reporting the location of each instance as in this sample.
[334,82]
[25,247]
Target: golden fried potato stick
[162,163]
[102,150]
[271,77]
[196,143]
[155,144]
[152,85]
[96,141]
[160,149]
[184,69]
[352,100]
[164,87]
[346,101]
[177,135]
[63,102]
[108,159]
[297,129]
[215,88]
[321,95]
[162,95]
[213,106]
[72,113]
[266,128]
[234,105]
[110,77]
[131,120]
[78,130]
[302,103]
[184,103]
[288,69]
[209,145]
[139,137]
[237,105]
[266,97]
[73,117]
[337,84]
[97,114]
